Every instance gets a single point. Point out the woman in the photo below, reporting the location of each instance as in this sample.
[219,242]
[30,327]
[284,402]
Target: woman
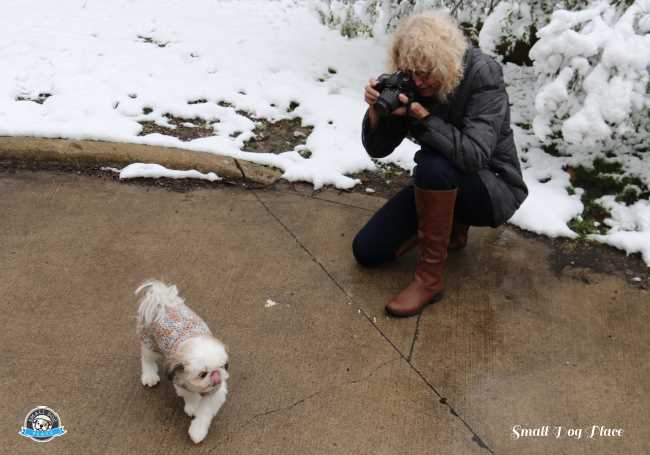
[467,172]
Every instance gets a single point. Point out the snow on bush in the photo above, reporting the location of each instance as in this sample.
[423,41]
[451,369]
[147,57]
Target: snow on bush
[593,68]
[376,17]
[503,25]
[509,23]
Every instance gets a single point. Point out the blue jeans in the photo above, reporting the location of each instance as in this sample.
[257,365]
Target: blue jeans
[396,222]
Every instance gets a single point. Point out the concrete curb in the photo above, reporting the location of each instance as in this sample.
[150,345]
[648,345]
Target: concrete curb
[96,153]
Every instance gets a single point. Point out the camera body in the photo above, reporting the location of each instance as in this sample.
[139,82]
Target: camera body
[390,86]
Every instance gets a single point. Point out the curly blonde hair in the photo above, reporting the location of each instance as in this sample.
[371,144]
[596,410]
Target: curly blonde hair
[430,43]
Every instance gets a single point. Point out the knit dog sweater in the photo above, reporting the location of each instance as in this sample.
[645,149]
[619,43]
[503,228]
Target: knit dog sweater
[173,325]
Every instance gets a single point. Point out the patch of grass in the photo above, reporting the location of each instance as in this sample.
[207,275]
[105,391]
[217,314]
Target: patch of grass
[632,194]
[605,177]
[613,167]
[551,149]
[551,146]
[592,219]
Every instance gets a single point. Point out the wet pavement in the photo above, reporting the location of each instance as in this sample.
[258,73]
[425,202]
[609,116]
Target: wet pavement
[516,344]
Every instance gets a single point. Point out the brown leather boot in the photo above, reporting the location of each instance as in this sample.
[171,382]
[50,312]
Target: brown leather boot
[458,239]
[435,217]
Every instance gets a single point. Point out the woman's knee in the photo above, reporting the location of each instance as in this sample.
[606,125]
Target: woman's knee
[435,172]
[364,253]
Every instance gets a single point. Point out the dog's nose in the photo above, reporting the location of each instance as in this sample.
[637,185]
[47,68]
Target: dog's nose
[215,377]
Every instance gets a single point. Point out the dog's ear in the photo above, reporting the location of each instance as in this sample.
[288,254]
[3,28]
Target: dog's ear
[173,369]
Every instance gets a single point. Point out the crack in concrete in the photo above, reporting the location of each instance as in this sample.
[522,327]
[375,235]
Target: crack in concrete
[305,249]
[475,437]
[311,196]
[415,337]
[319,392]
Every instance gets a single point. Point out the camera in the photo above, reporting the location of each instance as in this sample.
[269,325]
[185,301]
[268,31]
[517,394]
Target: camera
[390,86]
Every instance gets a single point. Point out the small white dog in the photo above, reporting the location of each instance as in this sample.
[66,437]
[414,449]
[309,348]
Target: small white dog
[195,361]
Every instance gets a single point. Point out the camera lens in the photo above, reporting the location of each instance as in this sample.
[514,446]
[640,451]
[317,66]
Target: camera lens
[387,101]
[382,107]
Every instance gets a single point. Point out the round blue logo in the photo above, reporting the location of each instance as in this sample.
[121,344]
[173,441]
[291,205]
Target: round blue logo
[42,424]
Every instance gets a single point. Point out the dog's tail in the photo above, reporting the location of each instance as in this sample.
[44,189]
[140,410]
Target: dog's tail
[157,296]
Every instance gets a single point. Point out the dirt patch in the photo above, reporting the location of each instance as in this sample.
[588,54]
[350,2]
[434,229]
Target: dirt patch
[185,129]
[289,134]
[278,137]
[572,256]
[386,181]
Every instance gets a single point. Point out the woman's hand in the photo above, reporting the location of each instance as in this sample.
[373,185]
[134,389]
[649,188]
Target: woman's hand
[415,110]
[370,94]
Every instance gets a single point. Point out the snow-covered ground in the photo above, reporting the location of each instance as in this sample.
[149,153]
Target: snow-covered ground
[103,64]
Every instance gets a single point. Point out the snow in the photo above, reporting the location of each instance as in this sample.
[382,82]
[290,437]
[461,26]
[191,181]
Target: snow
[154,171]
[630,226]
[551,201]
[270,303]
[103,63]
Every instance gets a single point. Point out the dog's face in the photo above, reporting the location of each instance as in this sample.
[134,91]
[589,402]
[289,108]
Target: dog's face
[42,423]
[201,366]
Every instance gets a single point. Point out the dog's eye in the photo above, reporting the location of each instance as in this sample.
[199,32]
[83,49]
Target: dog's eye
[226,366]
[203,374]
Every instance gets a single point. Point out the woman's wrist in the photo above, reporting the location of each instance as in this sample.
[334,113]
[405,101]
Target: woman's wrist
[373,117]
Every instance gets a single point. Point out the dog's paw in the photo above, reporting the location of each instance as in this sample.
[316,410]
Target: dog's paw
[190,408]
[198,431]
[150,379]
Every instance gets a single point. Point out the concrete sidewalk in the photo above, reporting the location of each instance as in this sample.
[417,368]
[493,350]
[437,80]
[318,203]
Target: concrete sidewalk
[323,371]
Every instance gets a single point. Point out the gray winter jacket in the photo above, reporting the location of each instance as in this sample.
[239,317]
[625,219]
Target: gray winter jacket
[472,129]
